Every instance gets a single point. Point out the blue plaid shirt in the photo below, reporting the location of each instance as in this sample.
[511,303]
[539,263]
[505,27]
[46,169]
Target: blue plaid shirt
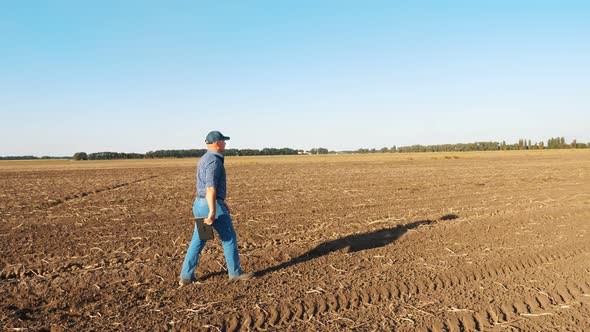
[211,173]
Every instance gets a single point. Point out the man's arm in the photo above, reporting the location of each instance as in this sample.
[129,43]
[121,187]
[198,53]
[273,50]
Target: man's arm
[210,196]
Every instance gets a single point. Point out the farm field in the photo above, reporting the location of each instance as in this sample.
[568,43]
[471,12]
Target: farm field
[490,241]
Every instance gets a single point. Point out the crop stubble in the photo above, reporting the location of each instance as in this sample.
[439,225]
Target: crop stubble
[470,241]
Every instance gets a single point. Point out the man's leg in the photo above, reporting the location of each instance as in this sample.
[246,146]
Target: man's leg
[192,256]
[224,227]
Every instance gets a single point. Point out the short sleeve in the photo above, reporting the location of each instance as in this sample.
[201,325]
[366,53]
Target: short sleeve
[212,174]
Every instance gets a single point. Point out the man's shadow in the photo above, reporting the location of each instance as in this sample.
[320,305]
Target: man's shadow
[354,243]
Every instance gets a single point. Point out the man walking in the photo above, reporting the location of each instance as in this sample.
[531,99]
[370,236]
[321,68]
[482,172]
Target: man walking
[210,203]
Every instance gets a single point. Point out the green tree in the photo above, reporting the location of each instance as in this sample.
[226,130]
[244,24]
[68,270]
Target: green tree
[319,151]
[80,156]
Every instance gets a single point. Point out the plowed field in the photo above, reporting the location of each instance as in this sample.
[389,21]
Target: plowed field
[440,242]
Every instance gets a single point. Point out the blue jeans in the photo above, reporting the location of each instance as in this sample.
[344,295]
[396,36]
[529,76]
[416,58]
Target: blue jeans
[224,227]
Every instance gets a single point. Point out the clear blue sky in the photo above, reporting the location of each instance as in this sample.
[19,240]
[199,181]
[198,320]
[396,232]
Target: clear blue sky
[134,76]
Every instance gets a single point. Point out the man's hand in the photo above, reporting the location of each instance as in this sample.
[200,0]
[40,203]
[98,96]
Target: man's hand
[209,220]
[210,197]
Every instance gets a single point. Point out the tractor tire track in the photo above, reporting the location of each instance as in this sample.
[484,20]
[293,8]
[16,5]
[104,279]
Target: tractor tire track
[544,304]
[316,304]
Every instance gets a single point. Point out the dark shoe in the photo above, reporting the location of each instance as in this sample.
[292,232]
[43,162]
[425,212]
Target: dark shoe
[243,276]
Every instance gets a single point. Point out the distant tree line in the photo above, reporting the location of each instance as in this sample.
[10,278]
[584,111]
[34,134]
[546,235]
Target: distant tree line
[522,144]
[106,156]
[31,157]
[193,153]
[263,152]
[175,153]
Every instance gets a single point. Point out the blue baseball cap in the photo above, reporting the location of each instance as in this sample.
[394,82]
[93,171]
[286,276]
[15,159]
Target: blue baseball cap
[215,136]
